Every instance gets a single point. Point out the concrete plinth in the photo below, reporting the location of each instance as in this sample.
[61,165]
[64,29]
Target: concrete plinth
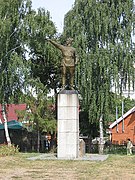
[68,125]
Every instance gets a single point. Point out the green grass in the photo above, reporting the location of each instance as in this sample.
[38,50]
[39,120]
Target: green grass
[119,167]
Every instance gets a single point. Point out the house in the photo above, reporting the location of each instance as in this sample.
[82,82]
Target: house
[13,121]
[15,127]
[11,112]
[123,128]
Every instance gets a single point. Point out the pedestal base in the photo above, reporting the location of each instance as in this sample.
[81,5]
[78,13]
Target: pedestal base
[68,125]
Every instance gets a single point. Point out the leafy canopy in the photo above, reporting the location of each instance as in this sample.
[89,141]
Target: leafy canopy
[102,32]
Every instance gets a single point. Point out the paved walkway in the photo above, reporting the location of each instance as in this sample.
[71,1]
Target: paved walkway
[87,157]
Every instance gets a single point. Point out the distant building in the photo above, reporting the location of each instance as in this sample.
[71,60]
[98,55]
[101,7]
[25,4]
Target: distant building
[123,128]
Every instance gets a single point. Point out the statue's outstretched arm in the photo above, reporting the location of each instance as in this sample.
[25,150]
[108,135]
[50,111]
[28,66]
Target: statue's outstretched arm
[57,45]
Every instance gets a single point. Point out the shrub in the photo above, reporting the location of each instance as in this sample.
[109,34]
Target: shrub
[6,150]
[115,149]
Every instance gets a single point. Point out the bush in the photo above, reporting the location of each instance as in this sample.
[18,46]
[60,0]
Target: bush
[115,149]
[6,150]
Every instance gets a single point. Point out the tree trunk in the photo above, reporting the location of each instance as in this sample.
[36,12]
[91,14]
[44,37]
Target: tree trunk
[38,142]
[55,96]
[101,139]
[5,125]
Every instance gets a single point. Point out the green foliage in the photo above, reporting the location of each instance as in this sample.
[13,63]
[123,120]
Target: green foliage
[24,54]
[44,58]
[39,115]
[116,149]
[13,67]
[102,32]
[6,150]
[25,57]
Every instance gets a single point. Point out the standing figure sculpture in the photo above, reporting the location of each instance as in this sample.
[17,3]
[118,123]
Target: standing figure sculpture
[68,62]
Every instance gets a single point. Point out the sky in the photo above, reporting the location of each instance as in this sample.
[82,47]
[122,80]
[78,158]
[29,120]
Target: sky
[57,9]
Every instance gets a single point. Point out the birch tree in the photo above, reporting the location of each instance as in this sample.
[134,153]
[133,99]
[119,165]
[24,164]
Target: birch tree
[11,51]
[102,32]
[21,32]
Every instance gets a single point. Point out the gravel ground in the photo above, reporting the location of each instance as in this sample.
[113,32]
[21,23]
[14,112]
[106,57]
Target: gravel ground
[87,157]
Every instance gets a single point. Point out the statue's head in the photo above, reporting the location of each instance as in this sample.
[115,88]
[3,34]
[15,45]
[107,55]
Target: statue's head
[69,41]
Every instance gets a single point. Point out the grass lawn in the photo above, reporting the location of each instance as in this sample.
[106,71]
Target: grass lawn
[116,167]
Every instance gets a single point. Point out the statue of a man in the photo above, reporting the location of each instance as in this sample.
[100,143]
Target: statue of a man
[68,62]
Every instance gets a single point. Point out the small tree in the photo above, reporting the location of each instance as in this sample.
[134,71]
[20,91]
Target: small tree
[41,118]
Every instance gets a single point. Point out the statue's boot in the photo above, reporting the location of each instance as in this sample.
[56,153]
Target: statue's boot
[72,83]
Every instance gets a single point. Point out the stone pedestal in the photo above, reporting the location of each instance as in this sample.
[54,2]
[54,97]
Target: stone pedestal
[68,125]
[81,148]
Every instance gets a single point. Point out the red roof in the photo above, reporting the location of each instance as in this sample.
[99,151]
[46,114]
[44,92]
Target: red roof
[11,114]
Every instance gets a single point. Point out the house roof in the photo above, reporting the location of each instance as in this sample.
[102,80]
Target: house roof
[11,111]
[12,125]
[122,117]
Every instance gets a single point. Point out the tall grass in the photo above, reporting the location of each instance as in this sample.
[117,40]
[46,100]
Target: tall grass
[6,150]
